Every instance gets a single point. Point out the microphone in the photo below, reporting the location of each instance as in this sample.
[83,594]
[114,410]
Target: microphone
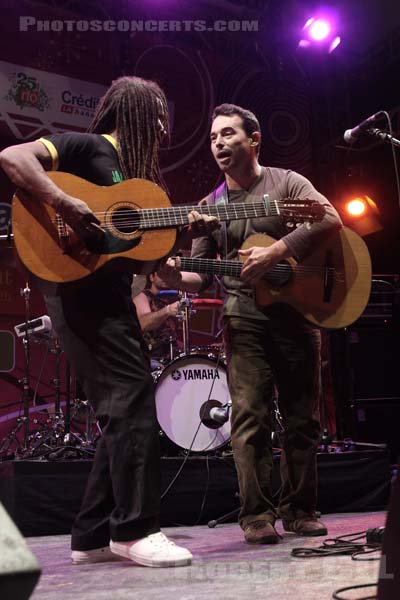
[220,414]
[351,135]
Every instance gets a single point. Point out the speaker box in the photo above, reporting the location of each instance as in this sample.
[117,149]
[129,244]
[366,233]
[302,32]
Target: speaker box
[373,356]
[378,421]
[366,382]
[19,569]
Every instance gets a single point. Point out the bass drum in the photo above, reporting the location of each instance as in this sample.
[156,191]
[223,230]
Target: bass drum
[186,390]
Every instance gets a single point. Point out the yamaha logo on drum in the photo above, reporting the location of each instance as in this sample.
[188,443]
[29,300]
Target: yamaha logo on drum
[195,374]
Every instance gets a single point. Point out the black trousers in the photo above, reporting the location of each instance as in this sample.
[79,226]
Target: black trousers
[283,351]
[107,352]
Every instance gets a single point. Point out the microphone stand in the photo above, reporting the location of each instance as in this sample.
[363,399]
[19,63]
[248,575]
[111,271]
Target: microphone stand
[384,136]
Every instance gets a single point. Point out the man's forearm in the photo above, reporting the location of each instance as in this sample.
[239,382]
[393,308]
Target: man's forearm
[26,172]
[191,282]
[180,280]
[153,320]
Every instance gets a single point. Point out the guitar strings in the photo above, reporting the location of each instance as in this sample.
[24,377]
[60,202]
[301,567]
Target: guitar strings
[231,209]
[279,268]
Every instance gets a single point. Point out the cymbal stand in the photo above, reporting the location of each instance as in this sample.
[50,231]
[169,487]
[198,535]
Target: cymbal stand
[58,415]
[171,348]
[185,306]
[70,445]
[67,420]
[185,311]
[87,442]
[25,292]
[51,435]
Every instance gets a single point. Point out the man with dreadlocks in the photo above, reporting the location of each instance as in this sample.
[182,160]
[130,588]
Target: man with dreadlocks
[98,327]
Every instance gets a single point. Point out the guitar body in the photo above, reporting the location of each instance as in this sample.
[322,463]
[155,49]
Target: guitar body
[138,221]
[67,259]
[346,295]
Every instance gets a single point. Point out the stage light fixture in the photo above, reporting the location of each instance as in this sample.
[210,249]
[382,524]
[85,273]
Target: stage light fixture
[356,207]
[362,215]
[320,31]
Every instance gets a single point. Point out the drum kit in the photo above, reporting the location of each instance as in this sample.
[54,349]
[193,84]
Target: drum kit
[191,390]
[60,429]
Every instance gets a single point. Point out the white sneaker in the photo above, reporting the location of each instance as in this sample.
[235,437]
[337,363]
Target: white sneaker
[87,557]
[155,550]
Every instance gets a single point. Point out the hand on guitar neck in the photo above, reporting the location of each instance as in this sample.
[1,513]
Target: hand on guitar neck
[201,224]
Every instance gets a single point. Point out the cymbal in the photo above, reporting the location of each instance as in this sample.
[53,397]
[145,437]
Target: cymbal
[210,303]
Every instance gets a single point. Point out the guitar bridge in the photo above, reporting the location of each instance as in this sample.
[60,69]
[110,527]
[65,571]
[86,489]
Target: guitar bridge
[329,273]
[63,234]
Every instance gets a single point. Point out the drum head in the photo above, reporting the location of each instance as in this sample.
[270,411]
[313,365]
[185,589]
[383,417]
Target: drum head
[185,392]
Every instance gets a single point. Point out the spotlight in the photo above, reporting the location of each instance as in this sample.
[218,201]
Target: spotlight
[356,207]
[318,29]
[361,214]
[321,31]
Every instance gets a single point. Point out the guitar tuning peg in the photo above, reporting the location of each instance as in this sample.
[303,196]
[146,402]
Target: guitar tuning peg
[289,224]
[308,225]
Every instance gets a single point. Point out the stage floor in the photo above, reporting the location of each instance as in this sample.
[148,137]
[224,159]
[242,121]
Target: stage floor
[224,568]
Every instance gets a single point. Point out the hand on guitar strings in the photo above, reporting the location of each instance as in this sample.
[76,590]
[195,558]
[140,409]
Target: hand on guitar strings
[80,218]
[259,260]
[169,272]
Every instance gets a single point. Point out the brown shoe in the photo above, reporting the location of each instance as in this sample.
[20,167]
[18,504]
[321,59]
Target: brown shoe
[261,532]
[308,526]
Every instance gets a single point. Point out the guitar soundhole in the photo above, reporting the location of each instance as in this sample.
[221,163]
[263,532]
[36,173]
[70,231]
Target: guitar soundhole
[125,220]
[281,274]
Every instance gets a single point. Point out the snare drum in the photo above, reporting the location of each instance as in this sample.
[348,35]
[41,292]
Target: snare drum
[185,392]
[213,349]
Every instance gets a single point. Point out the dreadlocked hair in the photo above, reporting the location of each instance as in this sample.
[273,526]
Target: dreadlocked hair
[133,107]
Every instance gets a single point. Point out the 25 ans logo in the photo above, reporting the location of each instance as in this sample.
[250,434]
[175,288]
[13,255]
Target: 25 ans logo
[27,92]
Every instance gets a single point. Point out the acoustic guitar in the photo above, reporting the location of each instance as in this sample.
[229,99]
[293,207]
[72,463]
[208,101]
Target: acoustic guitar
[330,287]
[139,222]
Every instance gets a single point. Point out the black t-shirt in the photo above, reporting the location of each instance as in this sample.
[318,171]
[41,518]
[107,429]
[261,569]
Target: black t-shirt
[88,155]
[94,158]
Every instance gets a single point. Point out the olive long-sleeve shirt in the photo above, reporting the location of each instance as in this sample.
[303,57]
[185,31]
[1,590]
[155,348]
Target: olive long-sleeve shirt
[278,184]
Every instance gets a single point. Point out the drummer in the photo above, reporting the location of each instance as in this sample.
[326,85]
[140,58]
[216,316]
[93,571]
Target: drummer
[157,308]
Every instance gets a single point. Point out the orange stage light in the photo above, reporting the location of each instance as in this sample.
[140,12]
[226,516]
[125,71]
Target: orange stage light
[356,207]
[361,214]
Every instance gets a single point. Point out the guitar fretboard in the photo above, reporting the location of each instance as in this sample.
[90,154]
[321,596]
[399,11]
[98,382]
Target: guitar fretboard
[232,268]
[178,215]
[229,268]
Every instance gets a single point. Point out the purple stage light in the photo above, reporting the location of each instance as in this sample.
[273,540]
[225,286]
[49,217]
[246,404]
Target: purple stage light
[334,44]
[319,29]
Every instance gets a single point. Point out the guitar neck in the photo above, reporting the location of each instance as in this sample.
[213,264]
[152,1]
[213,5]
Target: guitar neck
[232,268]
[228,268]
[152,218]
